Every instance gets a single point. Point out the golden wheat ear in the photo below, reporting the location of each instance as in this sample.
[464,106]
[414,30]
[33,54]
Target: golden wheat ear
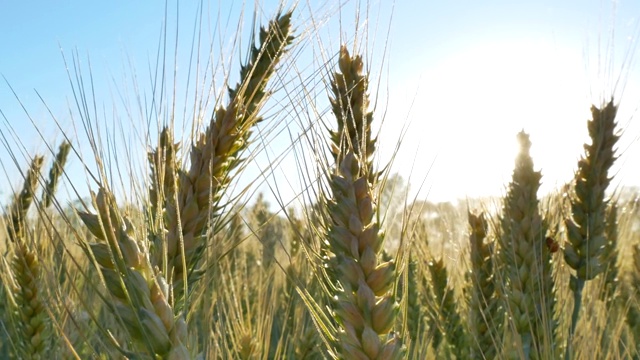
[139,295]
[26,303]
[362,284]
[350,106]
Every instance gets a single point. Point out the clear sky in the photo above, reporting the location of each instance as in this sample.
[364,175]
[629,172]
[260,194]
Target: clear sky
[461,77]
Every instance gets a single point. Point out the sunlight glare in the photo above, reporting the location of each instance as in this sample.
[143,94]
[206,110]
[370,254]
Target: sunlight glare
[469,108]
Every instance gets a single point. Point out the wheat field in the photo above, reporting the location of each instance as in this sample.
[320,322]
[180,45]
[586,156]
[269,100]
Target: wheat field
[183,258]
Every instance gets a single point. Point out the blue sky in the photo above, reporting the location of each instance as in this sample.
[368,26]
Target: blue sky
[463,76]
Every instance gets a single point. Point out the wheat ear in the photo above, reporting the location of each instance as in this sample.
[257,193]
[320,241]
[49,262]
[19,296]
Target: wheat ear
[447,322]
[165,167]
[415,286]
[350,106]
[55,172]
[610,255]
[216,153]
[530,290]
[140,294]
[29,309]
[586,227]
[364,305]
[484,308]
[631,295]
[364,301]
[23,201]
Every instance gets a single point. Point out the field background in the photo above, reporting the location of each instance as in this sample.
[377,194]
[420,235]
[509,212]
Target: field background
[357,181]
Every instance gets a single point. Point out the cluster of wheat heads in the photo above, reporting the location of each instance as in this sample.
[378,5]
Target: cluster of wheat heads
[142,273]
[519,297]
[193,272]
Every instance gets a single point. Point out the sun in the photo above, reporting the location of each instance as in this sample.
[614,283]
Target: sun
[466,111]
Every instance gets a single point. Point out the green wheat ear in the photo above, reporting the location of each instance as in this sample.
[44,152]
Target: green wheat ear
[214,156]
[485,311]
[610,255]
[55,172]
[448,321]
[631,295]
[527,259]
[586,227]
[22,202]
